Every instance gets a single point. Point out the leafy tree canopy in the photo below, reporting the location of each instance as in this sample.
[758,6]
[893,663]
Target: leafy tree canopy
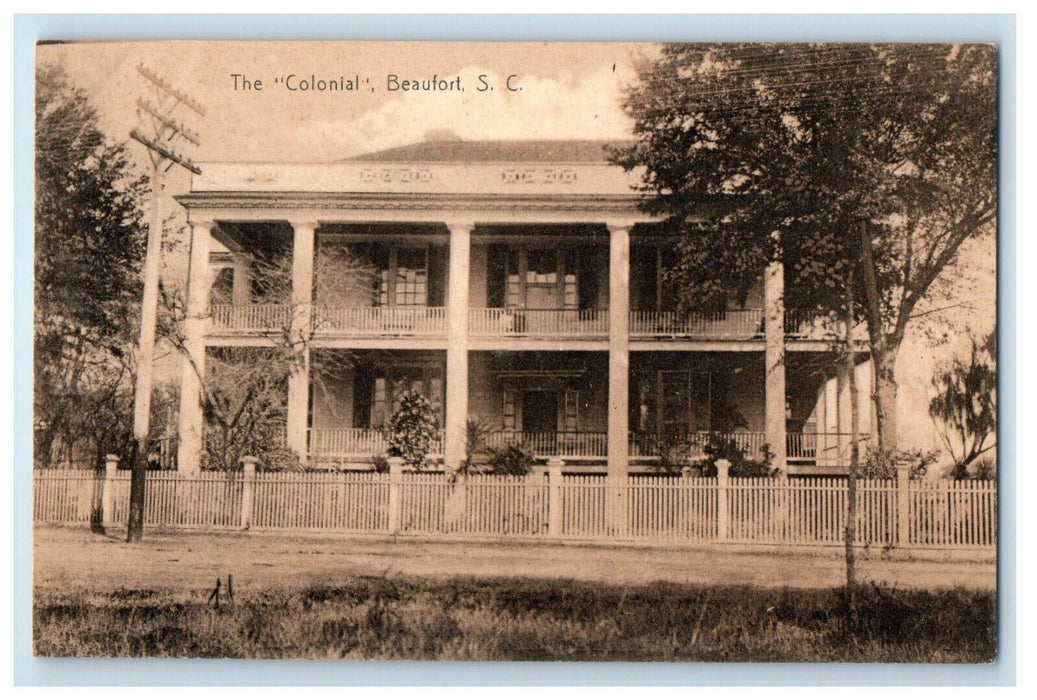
[89,245]
[830,158]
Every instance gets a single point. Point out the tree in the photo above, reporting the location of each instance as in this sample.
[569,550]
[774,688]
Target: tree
[879,158]
[244,389]
[89,244]
[965,406]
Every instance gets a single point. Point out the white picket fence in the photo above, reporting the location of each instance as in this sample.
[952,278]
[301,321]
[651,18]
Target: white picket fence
[653,509]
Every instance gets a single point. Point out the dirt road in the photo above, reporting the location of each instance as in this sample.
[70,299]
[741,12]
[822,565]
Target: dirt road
[76,559]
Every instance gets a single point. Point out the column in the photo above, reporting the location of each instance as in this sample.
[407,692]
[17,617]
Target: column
[302,304]
[192,373]
[619,375]
[774,362]
[241,292]
[457,345]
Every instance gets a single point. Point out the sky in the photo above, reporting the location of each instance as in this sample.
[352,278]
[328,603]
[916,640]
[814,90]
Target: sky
[562,91]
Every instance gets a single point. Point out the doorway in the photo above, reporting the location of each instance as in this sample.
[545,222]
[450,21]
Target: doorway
[540,411]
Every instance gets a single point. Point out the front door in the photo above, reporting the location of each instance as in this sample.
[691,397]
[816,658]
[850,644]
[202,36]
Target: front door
[539,411]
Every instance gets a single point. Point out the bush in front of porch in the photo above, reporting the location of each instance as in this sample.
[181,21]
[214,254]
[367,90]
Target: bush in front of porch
[413,429]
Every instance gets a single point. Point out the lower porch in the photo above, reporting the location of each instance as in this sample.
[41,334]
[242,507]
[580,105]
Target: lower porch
[554,406]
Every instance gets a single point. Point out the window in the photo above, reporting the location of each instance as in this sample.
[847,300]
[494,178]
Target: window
[403,279]
[685,401]
[541,267]
[411,277]
[382,389]
[510,422]
[378,413]
[571,417]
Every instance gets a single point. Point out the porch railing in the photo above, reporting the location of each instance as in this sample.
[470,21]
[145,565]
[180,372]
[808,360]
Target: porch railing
[539,322]
[380,320]
[251,317]
[354,442]
[743,324]
[692,445]
[558,444]
[823,449]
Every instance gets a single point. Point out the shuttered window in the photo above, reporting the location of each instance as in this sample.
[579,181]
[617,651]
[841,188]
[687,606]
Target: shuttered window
[378,417]
[509,418]
[571,412]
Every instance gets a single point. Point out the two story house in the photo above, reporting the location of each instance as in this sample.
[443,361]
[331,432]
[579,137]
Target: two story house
[515,285]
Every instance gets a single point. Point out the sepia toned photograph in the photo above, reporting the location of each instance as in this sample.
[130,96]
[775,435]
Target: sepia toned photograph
[529,351]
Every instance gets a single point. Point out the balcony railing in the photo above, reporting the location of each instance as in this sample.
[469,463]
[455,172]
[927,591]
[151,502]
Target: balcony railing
[569,323]
[739,324]
[381,320]
[251,317]
[557,444]
[804,326]
[361,320]
[431,321]
[354,442]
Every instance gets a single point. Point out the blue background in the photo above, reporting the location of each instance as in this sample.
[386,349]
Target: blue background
[28,29]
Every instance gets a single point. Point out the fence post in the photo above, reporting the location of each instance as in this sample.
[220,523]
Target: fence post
[722,500]
[785,534]
[248,490]
[554,497]
[395,493]
[903,504]
[111,466]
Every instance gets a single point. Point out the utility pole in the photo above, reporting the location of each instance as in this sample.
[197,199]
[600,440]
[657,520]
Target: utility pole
[160,133]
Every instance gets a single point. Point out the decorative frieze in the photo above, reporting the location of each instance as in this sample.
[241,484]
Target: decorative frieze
[538,176]
[400,174]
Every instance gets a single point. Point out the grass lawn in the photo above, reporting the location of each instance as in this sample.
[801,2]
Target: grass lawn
[411,617]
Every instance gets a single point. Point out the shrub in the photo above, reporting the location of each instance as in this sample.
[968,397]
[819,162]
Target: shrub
[380,464]
[880,464]
[412,429]
[511,460]
[984,469]
[280,459]
[720,446]
[477,449]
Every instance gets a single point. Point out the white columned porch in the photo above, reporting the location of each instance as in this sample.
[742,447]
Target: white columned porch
[192,419]
[455,446]
[619,374]
[302,305]
[774,362]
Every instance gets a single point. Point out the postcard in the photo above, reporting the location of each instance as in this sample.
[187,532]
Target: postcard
[516,351]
